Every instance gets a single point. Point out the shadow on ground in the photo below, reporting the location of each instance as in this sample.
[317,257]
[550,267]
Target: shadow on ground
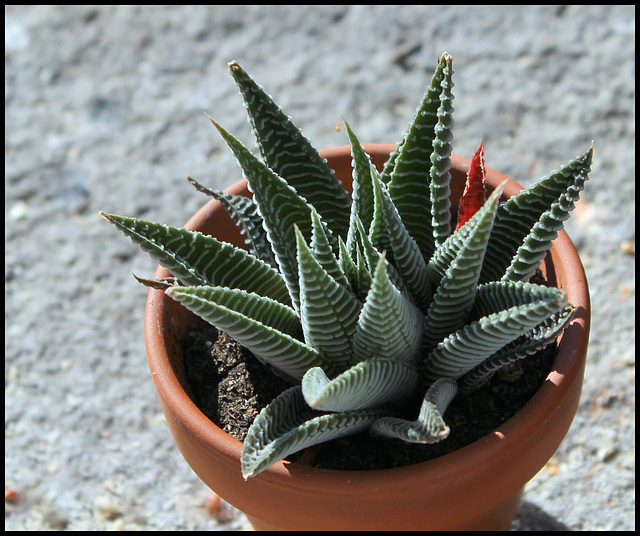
[532,517]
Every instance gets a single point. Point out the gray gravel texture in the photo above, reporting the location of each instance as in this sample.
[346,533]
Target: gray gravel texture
[104,111]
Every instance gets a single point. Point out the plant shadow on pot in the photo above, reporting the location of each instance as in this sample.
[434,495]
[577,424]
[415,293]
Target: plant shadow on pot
[476,487]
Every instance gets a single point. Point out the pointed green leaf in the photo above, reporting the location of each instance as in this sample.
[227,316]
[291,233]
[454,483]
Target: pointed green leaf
[500,295]
[288,425]
[290,154]
[364,247]
[441,163]
[538,241]
[280,207]
[363,197]
[244,317]
[406,169]
[199,259]
[363,275]
[244,212]
[468,347]
[264,310]
[388,325]
[348,267]
[328,311]
[528,344]
[454,298]
[366,385]
[358,272]
[445,254]
[430,426]
[323,250]
[373,256]
[533,216]
[407,257]
[378,234]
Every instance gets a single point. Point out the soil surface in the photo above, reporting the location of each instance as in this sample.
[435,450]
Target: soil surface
[231,386]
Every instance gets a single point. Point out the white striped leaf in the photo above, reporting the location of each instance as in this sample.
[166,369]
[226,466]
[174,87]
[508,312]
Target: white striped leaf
[244,212]
[249,319]
[364,247]
[445,254]
[533,341]
[288,425]
[454,298]
[356,262]
[550,199]
[363,197]
[500,295]
[430,426]
[366,385]
[406,171]
[406,254]
[348,267]
[290,154]
[377,232]
[328,310]
[372,256]
[281,208]
[198,259]
[441,163]
[468,347]
[264,310]
[389,325]
[538,241]
[323,250]
[362,274]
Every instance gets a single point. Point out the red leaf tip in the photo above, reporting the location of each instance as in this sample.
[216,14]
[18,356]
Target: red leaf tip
[475,192]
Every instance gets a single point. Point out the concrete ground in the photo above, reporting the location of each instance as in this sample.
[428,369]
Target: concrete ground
[104,111]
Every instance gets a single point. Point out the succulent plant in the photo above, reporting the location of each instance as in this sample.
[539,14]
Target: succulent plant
[363,302]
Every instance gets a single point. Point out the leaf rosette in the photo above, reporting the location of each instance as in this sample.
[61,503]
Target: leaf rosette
[364,302]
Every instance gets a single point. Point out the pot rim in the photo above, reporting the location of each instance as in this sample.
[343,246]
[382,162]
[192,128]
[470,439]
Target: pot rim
[566,370]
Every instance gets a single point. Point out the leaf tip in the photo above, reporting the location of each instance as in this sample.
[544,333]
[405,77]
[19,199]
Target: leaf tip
[157,284]
[446,57]
[475,192]
[108,217]
[172,291]
[212,120]
[116,220]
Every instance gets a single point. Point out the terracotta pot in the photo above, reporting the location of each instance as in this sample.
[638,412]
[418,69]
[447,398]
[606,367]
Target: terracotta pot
[476,487]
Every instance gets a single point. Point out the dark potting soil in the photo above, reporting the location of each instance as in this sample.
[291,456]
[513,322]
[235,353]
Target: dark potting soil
[231,386]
